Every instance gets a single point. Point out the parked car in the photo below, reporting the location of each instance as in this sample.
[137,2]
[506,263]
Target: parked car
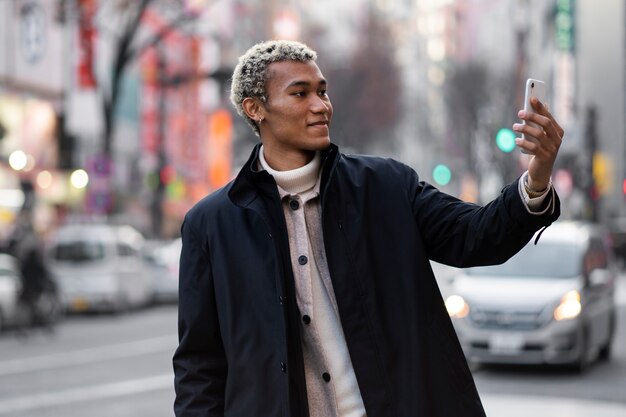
[100,267]
[551,303]
[10,287]
[162,258]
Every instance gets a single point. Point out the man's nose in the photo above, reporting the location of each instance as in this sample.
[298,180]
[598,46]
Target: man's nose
[319,105]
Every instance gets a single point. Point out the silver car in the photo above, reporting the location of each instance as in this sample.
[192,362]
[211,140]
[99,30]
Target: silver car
[162,260]
[99,267]
[551,303]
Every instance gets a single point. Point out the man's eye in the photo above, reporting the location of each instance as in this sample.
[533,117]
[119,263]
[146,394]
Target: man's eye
[323,93]
[299,94]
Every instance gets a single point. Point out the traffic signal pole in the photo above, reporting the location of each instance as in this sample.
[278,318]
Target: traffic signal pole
[591,138]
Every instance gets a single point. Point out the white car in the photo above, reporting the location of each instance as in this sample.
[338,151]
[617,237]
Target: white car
[552,303]
[10,287]
[99,267]
[162,259]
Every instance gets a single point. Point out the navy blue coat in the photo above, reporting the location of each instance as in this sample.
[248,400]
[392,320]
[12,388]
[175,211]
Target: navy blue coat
[239,326]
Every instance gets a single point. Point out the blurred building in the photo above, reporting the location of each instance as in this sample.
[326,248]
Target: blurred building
[32,92]
[600,54]
[172,138]
[169,141]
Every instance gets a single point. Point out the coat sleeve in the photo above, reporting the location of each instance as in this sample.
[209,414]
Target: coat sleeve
[200,365]
[462,234]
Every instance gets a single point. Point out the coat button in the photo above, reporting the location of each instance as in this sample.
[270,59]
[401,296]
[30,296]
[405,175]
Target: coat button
[283,367]
[302,260]
[282,299]
[326,377]
[306,319]
[294,204]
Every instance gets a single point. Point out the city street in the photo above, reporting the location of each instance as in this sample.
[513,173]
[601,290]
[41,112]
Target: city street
[397,133]
[120,366]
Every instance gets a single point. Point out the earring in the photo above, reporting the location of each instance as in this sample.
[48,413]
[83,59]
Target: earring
[260,120]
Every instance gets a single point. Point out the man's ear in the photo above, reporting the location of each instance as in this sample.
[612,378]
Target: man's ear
[253,108]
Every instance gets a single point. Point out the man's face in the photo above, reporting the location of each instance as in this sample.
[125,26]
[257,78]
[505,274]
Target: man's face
[297,113]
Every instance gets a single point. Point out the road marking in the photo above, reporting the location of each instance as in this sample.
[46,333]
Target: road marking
[86,356]
[96,392]
[526,405]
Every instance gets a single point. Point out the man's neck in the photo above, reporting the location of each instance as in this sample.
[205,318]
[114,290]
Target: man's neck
[295,180]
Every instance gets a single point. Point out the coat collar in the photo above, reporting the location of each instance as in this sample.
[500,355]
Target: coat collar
[250,181]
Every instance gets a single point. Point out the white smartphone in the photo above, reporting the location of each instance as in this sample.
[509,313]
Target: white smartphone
[534,88]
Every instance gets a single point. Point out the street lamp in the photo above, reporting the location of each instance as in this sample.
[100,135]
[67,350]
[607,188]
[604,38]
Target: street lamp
[18,160]
[79,179]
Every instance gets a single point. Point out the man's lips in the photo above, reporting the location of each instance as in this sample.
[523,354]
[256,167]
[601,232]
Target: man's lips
[320,123]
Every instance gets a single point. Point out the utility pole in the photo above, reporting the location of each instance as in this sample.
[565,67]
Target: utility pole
[156,205]
[591,137]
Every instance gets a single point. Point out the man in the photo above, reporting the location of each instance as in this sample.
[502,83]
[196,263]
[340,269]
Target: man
[305,284]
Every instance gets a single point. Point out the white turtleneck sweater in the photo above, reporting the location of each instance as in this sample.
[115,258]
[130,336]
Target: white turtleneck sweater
[332,387]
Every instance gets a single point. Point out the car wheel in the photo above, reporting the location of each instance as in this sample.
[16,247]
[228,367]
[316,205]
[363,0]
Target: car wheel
[582,363]
[605,350]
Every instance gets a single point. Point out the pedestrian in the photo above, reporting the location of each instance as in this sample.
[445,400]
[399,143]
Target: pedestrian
[36,283]
[305,283]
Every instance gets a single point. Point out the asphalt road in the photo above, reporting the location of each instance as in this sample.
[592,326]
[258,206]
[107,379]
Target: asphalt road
[114,366]
[120,366]
[604,381]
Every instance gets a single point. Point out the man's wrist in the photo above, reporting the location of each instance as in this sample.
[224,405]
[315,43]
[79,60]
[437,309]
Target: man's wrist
[534,194]
[533,191]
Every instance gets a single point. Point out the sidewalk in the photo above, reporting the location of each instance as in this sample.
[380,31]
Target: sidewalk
[505,405]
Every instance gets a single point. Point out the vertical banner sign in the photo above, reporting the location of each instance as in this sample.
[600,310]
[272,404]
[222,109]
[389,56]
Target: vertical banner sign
[565,39]
[196,123]
[220,148]
[565,71]
[185,122]
[86,39]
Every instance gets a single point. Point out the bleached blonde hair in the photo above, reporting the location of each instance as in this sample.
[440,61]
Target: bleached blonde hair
[250,74]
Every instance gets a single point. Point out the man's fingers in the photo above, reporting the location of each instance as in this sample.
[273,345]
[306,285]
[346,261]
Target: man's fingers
[530,130]
[543,110]
[546,122]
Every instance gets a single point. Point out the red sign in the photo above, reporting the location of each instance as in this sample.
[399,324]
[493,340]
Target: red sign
[86,40]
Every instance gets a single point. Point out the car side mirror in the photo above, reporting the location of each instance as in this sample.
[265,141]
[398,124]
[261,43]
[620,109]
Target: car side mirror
[599,276]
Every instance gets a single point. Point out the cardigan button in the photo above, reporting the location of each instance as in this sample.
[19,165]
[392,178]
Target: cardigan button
[302,260]
[306,319]
[326,377]
[294,205]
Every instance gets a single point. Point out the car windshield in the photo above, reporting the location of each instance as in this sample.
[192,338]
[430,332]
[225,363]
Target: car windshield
[79,251]
[545,260]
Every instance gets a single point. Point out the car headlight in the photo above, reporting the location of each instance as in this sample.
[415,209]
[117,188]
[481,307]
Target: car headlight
[457,307]
[569,307]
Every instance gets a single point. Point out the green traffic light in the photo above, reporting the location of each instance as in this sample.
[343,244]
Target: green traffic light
[442,174]
[505,139]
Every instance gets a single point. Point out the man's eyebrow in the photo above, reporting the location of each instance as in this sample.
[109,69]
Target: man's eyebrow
[322,82]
